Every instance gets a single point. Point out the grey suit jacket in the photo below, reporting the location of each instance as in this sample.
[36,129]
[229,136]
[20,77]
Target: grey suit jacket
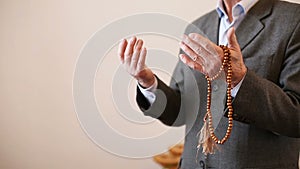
[266,127]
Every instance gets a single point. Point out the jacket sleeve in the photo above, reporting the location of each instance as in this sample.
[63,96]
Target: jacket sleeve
[167,104]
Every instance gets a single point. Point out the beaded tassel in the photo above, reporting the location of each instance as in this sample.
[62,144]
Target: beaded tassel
[205,141]
[207,138]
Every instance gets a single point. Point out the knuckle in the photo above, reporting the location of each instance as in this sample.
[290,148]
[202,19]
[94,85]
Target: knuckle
[206,46]
[197,67]
[140,64]
[192,66]
[184,47]
[128,54]
[134,60]
[127,58]
[198,50]
[138,48]
[127,61]
[134,74]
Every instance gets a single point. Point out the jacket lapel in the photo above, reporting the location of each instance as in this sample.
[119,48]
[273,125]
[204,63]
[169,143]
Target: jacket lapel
[251,25]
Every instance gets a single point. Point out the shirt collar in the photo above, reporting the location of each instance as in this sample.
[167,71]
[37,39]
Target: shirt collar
[239,9]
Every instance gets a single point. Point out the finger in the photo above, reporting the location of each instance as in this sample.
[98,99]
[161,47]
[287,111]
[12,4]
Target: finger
[196,47]
[204,42]
[139,44]
[232,40]
[191,53]
[121,49]
[136,53]
[188,61]
[212,54]
[129,50]
[142,59]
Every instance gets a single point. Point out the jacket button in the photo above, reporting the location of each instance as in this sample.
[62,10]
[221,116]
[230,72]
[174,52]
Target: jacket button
[202,164]
[215,88]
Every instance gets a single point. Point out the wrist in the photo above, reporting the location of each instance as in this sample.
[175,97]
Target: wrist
[240,76]
[147,81]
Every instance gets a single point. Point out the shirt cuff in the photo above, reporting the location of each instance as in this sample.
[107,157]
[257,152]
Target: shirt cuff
[149,92]
[236,88]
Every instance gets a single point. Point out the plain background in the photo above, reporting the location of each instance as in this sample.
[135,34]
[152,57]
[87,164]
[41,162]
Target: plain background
[40,41]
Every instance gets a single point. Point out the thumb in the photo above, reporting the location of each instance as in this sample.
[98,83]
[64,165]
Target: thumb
[232,41]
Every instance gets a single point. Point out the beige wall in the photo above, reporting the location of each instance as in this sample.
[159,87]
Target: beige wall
[40,41]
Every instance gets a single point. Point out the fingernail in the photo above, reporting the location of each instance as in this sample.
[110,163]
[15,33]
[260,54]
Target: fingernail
[181,43]
[132,39]
[184,36]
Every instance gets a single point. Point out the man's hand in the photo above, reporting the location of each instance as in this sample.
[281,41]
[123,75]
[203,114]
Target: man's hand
[239,68]
[133,56]
[206,57]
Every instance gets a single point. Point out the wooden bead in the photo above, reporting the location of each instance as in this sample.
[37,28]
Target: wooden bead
[226,62]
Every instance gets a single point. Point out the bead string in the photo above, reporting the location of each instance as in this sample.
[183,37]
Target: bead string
[208,115]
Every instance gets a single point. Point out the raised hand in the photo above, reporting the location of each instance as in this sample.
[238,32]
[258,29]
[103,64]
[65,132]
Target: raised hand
[133,56]
[206,57]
